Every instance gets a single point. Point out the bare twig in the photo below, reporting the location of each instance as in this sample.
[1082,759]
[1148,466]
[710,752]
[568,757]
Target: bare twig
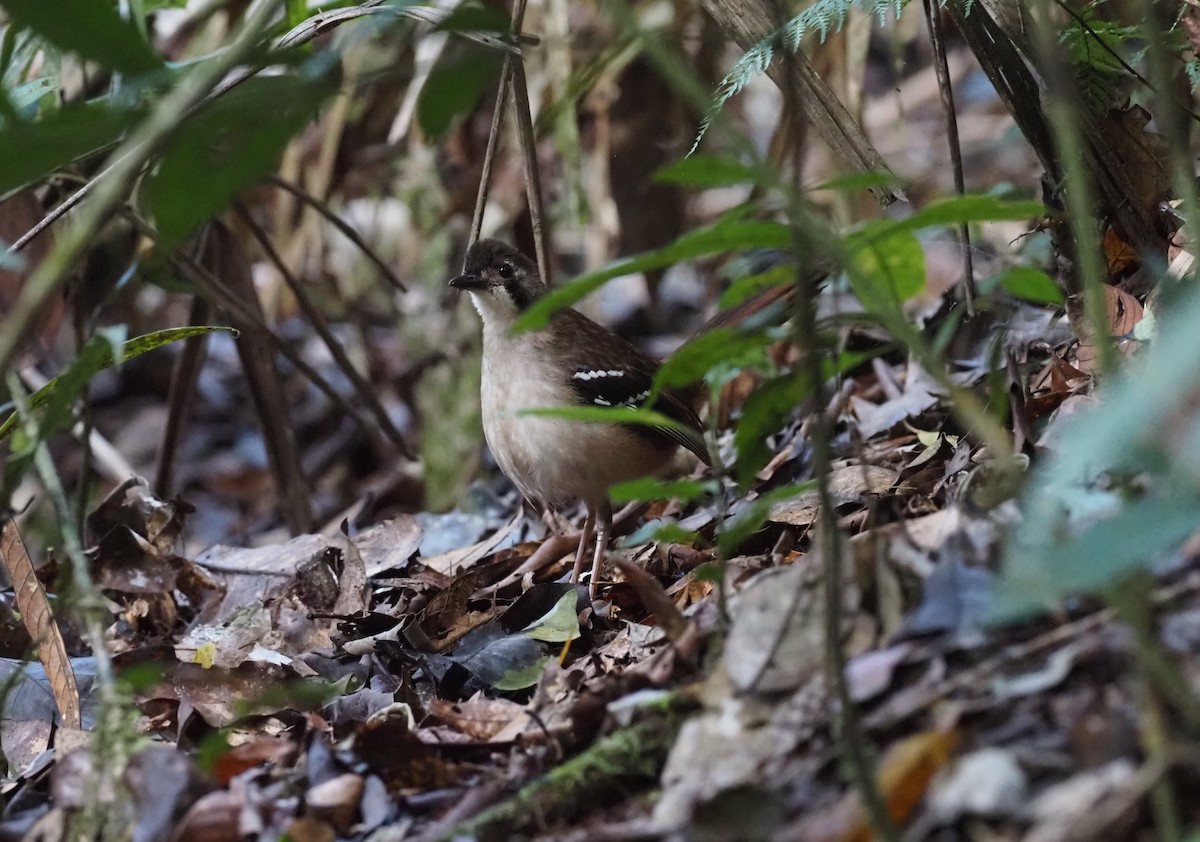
[341,225]
[933,16]
[489,156]
[533,181]
[184,375]
[366,392]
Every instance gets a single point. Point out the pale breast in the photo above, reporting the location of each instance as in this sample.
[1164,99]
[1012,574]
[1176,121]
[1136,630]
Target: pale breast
[553,460]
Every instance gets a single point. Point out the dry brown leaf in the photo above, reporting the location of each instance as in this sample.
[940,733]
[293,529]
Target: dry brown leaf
[39,621]
[481,718]
[848,484]
[257,752]
[1118,254]
[904,775]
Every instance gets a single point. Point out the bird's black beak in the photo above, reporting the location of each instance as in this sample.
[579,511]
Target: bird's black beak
[468,282]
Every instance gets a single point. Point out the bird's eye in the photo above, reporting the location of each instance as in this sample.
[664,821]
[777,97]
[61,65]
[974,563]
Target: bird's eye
[505,271]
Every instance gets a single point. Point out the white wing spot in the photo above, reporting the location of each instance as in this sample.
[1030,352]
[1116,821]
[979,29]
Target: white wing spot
[598,373]
[601,402]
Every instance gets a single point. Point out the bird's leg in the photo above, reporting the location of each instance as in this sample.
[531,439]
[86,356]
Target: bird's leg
[584,537]
[603,528]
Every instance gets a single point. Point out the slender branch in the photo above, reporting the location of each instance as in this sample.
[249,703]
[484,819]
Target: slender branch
[341,225]
[942,69]
[366,392]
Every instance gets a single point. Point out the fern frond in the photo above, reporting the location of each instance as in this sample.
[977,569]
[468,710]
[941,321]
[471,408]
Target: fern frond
[1192,68]
[823,17]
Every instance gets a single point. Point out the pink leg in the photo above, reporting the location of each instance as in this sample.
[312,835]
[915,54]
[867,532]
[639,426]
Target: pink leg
[583,542]
[603,528]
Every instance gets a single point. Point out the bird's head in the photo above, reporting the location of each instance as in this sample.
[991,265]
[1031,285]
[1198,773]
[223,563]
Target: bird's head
[502,281]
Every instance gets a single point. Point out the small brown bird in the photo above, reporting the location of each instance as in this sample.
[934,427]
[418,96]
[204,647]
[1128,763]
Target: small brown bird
[571,362]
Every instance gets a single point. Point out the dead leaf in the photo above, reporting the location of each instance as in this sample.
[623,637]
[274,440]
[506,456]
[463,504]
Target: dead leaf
[847,484]
[40,623]
[904,774]
[483,719]
[920,393]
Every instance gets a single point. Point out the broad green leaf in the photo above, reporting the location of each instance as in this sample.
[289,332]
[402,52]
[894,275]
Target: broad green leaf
[649,488]
[98,354]
[520,676]
[454,86]
[30,151]
[887,272]
[1031,285]
[1039,575]
[297,12]
[730,234]
[713,171]
[228,147]
[92,29]
[559,625]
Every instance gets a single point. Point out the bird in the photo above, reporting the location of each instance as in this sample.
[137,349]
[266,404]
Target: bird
[571,362]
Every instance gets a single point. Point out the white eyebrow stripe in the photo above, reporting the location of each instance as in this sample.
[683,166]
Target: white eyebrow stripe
[598,373]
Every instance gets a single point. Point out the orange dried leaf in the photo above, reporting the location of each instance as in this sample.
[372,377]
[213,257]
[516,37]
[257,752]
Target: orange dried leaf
[1118,254]
[904,775]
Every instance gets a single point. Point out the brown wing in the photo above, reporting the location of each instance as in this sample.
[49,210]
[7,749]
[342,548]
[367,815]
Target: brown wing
[608,371]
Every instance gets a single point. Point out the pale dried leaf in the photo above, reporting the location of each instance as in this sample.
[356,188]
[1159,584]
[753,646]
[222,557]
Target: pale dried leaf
[39,621]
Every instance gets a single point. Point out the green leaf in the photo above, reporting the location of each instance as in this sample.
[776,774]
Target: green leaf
[468,18]
[297,12]
[454,86]
[1077,530]
[59,394]
[92,29]
[662,531]
[953,211]
[649,488]
[729,234]
[748,286]
[887,272]
[853,182]
[24,97]
[559,625]
[1031,285]
[697,357]
[228,147]
[1037,575]
[714,171]
[30,151]
[766,410]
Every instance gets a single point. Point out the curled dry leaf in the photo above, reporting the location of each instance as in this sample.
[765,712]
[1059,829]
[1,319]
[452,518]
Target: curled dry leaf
[40,623]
